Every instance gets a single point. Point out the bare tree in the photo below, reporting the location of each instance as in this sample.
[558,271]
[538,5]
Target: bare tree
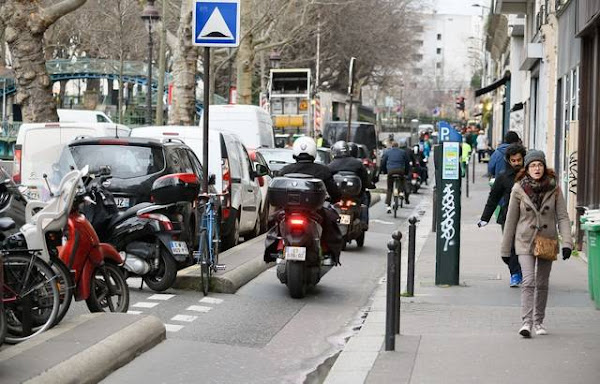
[25,23]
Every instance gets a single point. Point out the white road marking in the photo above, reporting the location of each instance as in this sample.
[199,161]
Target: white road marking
[173,327]
[143,304]
[134,312]
[198,308]
[211,300]
[186,318]
[161,296]
[381,222]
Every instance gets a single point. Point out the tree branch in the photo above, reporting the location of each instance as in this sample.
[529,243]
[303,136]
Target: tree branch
[56,11]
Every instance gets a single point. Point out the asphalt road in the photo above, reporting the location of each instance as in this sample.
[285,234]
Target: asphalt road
[260,334]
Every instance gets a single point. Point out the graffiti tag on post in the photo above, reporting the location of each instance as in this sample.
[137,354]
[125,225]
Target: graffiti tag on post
[448,213]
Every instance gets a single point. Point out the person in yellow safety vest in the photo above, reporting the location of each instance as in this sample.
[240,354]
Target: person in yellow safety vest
[319,140]
[466,153]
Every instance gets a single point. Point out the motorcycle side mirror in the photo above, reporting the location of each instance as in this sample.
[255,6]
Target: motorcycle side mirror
[212,179]
[261,170]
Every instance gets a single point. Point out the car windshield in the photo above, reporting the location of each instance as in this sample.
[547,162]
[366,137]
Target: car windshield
[283,156]
[125,161]
[323,157]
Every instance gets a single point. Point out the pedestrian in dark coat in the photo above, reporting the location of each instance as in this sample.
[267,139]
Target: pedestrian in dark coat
[497,163]
[500,195]
[536,206]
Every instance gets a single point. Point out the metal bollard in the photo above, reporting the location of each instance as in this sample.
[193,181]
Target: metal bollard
[390,335]
[397,236]
[410,273]
[434,216]
[467,177]
[473,168]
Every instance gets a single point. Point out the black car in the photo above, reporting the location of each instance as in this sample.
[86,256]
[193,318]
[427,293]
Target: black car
[135,164]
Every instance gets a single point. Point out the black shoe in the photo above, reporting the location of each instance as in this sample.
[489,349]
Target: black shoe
[407,202]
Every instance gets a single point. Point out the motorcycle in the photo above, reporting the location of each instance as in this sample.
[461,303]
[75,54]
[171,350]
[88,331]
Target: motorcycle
[297,233]
[350,208]
[145,236]
[415,179]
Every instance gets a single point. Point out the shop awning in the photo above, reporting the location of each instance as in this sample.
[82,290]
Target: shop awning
[493,86]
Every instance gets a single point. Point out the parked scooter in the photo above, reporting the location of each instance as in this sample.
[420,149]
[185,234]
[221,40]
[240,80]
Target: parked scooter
[144,234]
[299,256]
[350,208]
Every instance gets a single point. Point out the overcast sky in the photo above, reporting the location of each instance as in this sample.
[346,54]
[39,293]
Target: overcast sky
[460,7]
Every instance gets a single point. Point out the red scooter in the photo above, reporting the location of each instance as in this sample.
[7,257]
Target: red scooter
[98,278]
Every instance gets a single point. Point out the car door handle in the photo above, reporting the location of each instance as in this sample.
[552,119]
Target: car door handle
[251,190]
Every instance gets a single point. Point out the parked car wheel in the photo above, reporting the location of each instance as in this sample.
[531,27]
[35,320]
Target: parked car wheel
[264,218]
[233,238]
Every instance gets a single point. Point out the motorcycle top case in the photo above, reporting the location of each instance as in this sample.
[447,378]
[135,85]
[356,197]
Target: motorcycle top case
[297,190]
[175,187]
[348,183]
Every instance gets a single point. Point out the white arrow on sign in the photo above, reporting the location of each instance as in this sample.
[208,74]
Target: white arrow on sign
[216,27]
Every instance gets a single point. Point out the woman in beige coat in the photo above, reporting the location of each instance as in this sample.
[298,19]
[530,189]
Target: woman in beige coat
[536,207]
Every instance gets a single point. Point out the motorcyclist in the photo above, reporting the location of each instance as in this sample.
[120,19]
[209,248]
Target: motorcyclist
[395,161]
[343,160]
[305,152]
[419,162]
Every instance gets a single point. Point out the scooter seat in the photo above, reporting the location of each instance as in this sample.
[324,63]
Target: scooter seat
[122,216]
[6,223]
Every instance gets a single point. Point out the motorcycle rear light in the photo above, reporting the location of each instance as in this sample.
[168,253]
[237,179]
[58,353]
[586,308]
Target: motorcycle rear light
[296,222]
[162,219]
[225,212]
[415,175]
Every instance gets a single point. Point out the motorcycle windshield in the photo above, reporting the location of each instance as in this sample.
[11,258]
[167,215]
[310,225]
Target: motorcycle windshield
[54,174]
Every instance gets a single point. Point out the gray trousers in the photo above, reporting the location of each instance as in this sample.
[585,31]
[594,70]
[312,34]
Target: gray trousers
[534,288]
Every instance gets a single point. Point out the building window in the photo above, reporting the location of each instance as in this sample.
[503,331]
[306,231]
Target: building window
[439,36]
[419,43]
[417,57]
[438,51]
[438,65]
[574,107]
[417,71]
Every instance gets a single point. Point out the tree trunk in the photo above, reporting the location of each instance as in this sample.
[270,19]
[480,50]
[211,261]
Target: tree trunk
[245,56]
[184,71]
[121,85]
[26,22]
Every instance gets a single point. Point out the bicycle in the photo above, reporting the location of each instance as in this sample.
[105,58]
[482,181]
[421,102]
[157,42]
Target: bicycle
[398,193]
[31,296]
[208,256]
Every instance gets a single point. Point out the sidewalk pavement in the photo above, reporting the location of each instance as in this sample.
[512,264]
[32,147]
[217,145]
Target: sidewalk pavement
[81,350]
[469,333]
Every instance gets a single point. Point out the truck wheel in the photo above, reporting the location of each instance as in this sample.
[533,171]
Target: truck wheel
[295,279]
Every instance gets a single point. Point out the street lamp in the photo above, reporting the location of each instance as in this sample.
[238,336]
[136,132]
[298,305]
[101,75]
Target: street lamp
[150,15]
[483,8]
[275,59]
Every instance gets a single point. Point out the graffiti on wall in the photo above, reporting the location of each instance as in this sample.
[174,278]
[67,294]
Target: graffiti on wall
[573,173]
[449,211]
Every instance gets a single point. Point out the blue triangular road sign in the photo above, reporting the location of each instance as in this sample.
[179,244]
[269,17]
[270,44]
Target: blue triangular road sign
[217,23]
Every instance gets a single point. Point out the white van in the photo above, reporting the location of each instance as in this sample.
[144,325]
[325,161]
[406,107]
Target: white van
[251,123]
[228,160]
[39,146]
[82,116]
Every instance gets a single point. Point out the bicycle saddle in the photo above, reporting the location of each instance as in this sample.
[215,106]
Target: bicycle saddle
[6,223]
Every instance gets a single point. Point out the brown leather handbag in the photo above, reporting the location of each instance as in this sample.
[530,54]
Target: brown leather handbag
[545,248]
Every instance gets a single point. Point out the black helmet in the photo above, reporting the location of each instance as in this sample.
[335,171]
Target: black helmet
[353,149]
[340,149]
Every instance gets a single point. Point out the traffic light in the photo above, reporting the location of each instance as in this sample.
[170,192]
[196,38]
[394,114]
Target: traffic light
[460,103]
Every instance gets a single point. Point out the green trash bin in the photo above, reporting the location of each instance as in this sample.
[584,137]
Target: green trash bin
[583,220]
[592,229]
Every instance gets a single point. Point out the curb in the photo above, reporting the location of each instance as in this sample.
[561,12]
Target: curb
[98,361]
[228,282]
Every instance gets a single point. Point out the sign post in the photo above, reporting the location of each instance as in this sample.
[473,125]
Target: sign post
[216,23]
[448,209]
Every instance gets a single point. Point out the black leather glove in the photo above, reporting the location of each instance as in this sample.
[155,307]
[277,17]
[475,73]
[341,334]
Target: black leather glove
[566,252]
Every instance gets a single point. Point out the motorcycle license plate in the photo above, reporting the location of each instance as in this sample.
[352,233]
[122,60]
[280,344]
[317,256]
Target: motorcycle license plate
[345,219]
[295,253]
[179,248]
[122,202]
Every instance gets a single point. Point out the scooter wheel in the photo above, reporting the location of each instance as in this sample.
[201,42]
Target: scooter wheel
[163,277]
[360,241]
[109,290]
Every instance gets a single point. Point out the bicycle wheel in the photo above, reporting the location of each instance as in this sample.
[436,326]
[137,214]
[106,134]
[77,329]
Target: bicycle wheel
[215,243]
[31,296]
[204,264]
[396,198]
[66,288]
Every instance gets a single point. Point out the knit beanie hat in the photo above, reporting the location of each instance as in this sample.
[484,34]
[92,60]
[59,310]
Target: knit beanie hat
[534,155]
